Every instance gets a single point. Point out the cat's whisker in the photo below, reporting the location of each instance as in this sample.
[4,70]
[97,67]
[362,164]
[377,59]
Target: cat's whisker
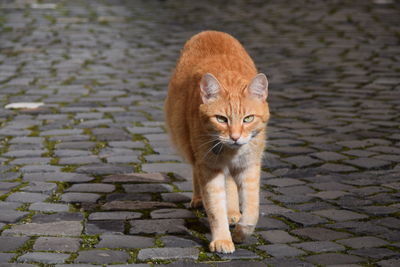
[212,149]
[209,141]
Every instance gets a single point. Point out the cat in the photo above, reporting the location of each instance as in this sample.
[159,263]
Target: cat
[216,114]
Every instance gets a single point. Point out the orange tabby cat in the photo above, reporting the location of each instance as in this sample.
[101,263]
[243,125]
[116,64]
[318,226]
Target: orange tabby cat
[216,113]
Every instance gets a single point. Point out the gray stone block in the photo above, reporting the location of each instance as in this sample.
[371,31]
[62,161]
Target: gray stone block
[43,257]
[48,207]
[115,215]
[171,214]
[11,216]
[178,242]
[163,226]
[168,253]
[320,234]
[238,254]
[278,236]
[333,258]
[108,227]
[340,215]
[124,241]
[363,242]
[281,250]
[80,197]
[11,243]
[27,197]
[102,256]
[303,218]
[62,228]
[57,244]
[319,246]
[93,187]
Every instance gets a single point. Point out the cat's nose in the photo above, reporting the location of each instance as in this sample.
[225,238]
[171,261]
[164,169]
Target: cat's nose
[235,136]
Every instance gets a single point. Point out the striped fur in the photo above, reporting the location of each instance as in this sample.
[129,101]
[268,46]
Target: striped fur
[215,86]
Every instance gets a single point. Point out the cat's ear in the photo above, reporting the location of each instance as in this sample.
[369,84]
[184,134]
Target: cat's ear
[259,86]
[210,88]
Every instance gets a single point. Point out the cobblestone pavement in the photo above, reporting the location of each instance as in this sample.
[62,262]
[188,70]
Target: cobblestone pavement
[90,178]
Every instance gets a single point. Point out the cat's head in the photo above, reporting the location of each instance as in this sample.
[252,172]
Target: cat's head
[236,112]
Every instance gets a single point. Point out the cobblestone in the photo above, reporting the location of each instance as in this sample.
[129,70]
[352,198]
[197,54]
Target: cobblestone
[57,244]
[102,256]
[44,257]
[121,241]
[168,253]
[281,250]
[331,168]
[11,243]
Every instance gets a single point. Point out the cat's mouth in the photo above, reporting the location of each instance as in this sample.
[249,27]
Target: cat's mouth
[218,146]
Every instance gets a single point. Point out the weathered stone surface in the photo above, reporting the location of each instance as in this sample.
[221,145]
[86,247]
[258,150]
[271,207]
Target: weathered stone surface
[340,215]
[116,215]
[102,256]
[363,242]
[333,258]
[168,253]
[57,177]
[49,207]
[178,242]
[142,188]
[177,197]
[374,253]
[319,246]
[12,216]
[11,243]
[80,197]
[92,187]
[100,227]
[163,226]
[281,250]
[136,205]
[389,263]
[56,217]
[320,234]
[26,197]
[43,257]
[123,241]
[281,182]
[181,169]
[62,228]
[57,244]
[101,169]
[136,177]
[304,218]
[41,187]
[278,236]
[6,257]
[171,213]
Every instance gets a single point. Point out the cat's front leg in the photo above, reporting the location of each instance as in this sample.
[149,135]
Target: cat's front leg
[214,200]
[249,192]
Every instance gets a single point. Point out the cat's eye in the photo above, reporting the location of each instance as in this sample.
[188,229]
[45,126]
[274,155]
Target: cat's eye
[221,119]
[248,119]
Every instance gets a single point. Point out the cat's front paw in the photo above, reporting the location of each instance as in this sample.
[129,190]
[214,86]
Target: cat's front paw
[196,202]
[222,246]
[233,217]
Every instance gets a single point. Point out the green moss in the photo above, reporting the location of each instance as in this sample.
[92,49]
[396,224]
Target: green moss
[69,80]
[51,19]
[89,241]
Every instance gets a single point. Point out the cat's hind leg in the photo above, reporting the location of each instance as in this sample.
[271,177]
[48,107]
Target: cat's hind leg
[232,199]
[197,201]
